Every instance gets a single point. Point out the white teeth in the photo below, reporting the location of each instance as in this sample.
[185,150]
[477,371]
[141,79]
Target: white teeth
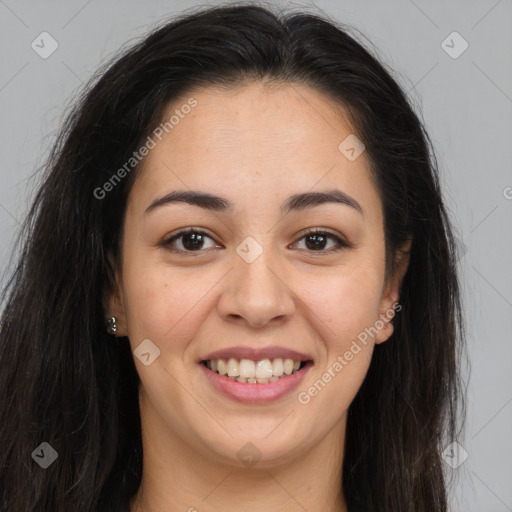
[277,367]
[221,367]
[233,370]
[288,366]
[264,369]
[246,370]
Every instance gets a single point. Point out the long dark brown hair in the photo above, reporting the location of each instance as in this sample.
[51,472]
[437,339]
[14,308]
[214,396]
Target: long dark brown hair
[65,382]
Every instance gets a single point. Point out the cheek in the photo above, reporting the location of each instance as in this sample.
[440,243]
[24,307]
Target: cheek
[165,305]
[345,308]
[347,301]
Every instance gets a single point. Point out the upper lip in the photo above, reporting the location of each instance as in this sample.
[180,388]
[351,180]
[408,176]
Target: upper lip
[257,354]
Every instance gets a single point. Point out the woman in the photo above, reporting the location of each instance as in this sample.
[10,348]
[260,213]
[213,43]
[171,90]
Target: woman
[237,287]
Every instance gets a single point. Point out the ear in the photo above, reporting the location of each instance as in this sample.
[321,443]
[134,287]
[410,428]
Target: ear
[391,293]
[113,301]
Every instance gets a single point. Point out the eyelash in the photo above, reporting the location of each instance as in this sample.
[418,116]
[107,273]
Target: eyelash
[312,231]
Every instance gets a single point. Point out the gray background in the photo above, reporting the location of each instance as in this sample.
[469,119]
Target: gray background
[466,103]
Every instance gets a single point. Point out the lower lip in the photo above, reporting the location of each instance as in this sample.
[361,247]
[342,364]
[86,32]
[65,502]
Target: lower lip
[255,393]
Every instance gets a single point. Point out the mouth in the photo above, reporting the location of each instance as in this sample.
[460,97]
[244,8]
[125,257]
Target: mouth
[254,382]
[263,371]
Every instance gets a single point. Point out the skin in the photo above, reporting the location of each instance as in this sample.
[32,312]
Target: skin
[254,145]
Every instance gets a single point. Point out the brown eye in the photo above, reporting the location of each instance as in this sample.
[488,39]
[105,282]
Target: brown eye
[316,241]
[189,240]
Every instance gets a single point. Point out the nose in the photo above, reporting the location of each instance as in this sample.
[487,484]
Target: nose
[256,293]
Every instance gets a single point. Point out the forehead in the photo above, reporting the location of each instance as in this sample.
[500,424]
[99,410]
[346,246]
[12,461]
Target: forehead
[265,138]
[290,120]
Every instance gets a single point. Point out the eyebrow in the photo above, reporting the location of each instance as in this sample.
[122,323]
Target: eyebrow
[297,202]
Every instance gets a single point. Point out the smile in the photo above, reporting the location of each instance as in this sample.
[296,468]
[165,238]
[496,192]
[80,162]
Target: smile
[254,372]
[254,382]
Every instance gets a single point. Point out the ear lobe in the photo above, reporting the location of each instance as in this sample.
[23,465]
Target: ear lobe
[112,299]
[391,295]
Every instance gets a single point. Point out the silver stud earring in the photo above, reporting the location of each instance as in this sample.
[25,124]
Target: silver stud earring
[112,325]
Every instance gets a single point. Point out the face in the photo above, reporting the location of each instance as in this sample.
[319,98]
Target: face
[250,275]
